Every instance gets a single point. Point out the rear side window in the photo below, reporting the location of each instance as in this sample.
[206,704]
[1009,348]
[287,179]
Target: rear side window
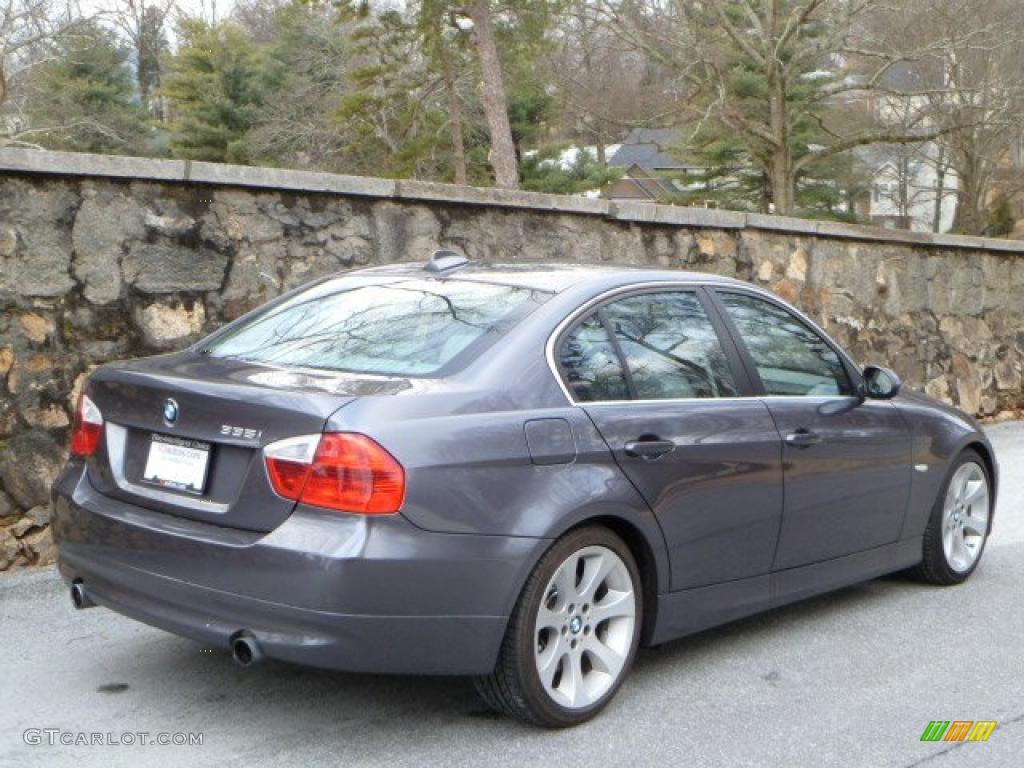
[397,326]
[651,346]
[790,357]
[671,349]
[591,365]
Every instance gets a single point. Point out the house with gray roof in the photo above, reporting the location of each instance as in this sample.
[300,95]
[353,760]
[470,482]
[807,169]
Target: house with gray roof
[651,170]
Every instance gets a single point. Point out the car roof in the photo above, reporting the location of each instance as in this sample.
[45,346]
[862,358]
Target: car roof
[553,277]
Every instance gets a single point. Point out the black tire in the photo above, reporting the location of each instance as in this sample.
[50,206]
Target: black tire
[514,687]
[934,568]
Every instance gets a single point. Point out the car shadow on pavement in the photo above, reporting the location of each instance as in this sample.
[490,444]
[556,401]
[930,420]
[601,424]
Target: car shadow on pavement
[754,631]
[212,680]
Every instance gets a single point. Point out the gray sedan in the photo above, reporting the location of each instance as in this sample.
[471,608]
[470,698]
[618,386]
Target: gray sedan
[517,472]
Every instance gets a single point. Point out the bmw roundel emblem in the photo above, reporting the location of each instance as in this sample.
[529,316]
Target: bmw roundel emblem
[170,410]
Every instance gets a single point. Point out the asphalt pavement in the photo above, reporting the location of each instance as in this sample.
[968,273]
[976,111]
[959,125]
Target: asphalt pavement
[849,679]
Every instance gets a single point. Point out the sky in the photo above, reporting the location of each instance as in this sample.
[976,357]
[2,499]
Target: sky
[208,9]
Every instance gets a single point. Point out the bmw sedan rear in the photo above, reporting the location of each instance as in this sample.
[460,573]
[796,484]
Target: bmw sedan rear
[309,477]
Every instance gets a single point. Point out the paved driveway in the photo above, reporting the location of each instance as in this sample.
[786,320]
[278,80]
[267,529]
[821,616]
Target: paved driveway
[850,679]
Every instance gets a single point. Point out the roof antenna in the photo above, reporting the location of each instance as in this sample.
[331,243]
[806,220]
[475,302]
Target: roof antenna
[443,260]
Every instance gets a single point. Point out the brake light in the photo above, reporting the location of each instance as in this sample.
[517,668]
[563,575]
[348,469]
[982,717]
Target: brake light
[87,429]
[337,470]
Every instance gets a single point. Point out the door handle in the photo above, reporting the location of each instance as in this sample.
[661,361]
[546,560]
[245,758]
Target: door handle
[803,438]
[649,449]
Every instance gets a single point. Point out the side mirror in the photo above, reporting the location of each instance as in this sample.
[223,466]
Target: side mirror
[880,383]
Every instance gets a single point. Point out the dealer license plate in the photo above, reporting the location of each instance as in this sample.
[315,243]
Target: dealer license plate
[177,463]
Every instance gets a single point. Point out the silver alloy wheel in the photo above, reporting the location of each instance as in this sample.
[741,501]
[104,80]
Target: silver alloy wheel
[965,517]
[585,625]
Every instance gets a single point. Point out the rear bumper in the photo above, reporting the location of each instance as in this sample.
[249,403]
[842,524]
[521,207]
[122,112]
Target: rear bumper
[346,592]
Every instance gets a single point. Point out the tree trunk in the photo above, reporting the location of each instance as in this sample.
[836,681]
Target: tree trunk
[903,191]
[766,192]
[454,118]
[782,182]
[968,219]
[782,174]
[492,95]
[940,196]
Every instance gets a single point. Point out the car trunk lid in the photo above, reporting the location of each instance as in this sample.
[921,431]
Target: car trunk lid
[209,419]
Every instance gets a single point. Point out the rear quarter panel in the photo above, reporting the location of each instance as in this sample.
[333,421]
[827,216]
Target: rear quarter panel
[472,472]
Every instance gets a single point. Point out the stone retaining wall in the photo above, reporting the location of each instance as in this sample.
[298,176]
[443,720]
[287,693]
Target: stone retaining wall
[103,258]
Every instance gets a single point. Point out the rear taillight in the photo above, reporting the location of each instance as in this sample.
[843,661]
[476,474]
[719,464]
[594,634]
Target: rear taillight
[337,470]
[87,429]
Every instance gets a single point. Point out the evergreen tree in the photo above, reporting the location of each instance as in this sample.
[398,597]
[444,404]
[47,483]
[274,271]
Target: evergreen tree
[524,29]
[550,170]
[83,99]
[311,46]
[393,113]
[215,88]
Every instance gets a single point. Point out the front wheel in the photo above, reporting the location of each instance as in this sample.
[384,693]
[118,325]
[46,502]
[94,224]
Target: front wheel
[573,635]
[959,525]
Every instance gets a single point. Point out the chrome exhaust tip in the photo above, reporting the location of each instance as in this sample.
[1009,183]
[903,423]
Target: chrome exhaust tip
[245,650]
[79,598]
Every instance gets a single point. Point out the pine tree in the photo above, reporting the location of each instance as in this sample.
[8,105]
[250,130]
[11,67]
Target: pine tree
[549,170]
[310,45]
[393,113]
[215,87]
[83,99]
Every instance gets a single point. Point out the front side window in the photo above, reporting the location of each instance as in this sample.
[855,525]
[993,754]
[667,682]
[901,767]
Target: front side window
[390,326]
[651,346]
[790,358]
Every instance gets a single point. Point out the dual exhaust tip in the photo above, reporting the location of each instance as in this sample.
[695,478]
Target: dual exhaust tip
[245,650]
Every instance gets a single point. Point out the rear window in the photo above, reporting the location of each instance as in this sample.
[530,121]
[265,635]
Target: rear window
[397,326]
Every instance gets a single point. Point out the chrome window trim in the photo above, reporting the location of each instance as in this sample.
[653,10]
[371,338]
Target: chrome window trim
[693,285]
[735,399]
[116,438]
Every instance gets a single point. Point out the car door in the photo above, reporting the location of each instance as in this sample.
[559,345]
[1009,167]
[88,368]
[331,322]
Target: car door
[663,383]
[846,460]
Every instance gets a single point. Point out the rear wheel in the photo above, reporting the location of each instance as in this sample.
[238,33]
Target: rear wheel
[958,528]
[573,635]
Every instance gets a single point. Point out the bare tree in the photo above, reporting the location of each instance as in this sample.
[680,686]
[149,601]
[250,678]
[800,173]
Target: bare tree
[28,29]
[606,86]
[784,77]
[979,46]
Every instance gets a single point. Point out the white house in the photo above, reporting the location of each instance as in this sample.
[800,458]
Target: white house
[911,188]
[912,185]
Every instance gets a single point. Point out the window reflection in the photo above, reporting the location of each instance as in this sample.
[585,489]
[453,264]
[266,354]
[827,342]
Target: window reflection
[670,349]
[400,327]
[670,346]
[592,368]
[791,359]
